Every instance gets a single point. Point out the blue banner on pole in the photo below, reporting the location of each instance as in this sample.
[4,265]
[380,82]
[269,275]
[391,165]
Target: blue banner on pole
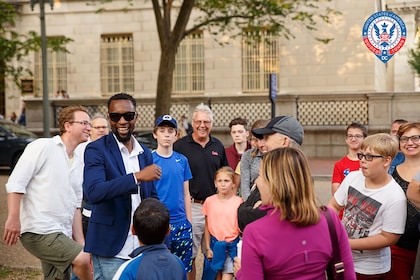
[273,87]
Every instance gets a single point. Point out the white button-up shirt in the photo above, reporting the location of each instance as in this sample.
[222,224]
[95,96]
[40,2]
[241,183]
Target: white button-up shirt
[51,186]
[131,164]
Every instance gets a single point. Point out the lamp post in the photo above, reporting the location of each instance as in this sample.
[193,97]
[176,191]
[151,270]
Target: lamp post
[45,99]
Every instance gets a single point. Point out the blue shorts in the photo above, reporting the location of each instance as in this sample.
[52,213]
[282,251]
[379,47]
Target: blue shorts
[181,242]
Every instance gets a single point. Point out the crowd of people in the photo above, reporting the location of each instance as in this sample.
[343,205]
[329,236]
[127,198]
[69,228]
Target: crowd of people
[94,203]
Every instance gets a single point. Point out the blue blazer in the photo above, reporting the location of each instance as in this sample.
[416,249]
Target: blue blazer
[108,188]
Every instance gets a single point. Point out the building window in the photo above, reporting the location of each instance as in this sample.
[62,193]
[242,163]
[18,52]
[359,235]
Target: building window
[117,64]
[188,76]
[260,57]
[56,72]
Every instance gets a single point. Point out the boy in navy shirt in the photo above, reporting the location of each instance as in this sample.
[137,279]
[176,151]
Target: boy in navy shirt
[151,260]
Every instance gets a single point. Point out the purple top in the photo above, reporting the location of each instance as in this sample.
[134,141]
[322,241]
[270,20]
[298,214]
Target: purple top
[275,249]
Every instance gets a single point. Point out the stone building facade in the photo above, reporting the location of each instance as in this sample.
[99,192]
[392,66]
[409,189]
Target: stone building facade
[344,69]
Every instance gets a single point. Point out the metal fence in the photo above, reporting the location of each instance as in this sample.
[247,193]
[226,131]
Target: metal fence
[310,110]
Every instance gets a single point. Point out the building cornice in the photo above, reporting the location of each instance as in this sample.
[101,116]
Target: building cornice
[404,7]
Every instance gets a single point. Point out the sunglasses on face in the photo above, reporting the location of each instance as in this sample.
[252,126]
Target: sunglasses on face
[128,116]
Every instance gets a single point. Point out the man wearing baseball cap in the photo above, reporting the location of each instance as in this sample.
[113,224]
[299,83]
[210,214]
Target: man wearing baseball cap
[173,189]
[281,131]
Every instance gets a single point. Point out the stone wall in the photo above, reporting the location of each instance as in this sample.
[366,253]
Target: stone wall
[324,117]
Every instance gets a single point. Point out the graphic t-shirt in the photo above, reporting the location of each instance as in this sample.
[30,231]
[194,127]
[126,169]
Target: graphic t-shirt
[367,212]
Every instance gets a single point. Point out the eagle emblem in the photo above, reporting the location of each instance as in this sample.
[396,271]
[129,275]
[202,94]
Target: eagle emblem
[384,33]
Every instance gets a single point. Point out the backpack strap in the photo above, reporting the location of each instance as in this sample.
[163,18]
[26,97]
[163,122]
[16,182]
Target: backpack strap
[335,269]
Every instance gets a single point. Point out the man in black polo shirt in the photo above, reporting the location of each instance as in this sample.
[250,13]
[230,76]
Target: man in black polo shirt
[205,154]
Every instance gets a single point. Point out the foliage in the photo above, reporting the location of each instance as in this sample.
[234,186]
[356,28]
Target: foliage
[15,46]
[230,17]
[224,17]
[414,58]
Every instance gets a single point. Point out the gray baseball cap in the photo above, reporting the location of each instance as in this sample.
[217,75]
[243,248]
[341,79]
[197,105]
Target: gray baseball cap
[285,125]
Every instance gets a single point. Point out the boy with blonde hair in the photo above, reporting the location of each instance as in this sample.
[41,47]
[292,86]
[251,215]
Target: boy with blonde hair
[374,207]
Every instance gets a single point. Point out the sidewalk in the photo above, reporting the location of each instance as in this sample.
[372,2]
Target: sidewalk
[322,168]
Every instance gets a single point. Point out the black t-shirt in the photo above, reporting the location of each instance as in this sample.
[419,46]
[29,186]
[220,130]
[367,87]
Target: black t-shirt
[246,212]
[410,239]
[204,162]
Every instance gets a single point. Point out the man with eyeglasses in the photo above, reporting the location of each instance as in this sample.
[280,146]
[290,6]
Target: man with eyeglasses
[119,173]
[374,207]
[44,199]
[355,133]
[205,155]
[99,128]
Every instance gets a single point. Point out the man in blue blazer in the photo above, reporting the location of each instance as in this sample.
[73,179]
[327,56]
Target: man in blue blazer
[117,170]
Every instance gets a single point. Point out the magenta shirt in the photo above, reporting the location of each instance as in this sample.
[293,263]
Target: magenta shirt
[274,249]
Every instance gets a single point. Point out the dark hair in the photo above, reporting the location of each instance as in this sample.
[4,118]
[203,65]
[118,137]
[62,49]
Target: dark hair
[122,96]
[359,126]
[240,121]
[400,121]
[258,124]
[151,221]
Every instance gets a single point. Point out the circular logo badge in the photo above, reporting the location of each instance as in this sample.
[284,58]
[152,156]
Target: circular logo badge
[384,33]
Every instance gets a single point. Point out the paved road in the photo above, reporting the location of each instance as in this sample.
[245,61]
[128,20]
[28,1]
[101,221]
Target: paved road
[17,256]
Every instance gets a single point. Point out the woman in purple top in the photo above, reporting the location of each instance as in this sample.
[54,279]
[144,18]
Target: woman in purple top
[292,241]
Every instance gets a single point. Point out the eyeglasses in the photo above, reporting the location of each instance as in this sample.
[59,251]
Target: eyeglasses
[357,136]
[414,139]
[99,127]
[128,116]
[367,157]
[84,123]
[206,123]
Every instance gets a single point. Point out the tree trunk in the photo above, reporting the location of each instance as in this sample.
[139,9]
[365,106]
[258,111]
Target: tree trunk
[164,81]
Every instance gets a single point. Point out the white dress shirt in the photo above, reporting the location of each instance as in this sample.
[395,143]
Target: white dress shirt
[131,165]
[51,185]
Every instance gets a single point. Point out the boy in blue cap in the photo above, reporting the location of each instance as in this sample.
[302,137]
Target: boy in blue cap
[173,188]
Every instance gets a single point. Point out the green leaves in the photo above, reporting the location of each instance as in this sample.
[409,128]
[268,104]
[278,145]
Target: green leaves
[15,46]
[414,58]
[232,16]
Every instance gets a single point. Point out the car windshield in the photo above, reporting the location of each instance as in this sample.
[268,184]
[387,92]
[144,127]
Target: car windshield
[18,130]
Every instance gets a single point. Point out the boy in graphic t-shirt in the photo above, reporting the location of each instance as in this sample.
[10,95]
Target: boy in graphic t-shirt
[374,207]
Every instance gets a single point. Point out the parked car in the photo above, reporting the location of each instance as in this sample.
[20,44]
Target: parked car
[13,140]
[147,139]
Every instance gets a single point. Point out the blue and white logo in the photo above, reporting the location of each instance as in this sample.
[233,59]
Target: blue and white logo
[384,33]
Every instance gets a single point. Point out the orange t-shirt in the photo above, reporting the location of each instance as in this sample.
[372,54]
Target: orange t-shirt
[222,217]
